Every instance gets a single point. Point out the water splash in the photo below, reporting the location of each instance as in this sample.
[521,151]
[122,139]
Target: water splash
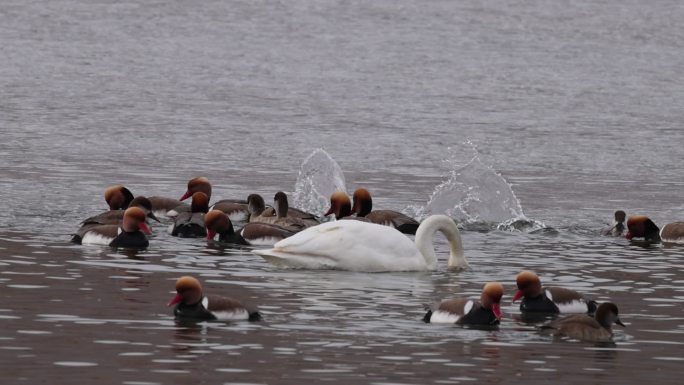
[477,196]
[319,176]
[526,225]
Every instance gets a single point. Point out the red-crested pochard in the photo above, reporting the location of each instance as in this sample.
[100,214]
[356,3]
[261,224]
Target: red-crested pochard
[118,197]
[340,205]
[253,233]
[551,300]
[113,217]
[198,184]
[641,226]
[586,328]
[191,303]
[202,184]
[218,223]
[191,224]
[363,204]
[464,311]
[129,234]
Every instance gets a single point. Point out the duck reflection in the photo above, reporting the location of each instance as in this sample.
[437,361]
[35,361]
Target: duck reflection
[134,254]
[532,319]
[189,334]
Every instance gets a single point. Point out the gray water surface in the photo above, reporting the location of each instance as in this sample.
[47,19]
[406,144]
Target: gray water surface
[577,105]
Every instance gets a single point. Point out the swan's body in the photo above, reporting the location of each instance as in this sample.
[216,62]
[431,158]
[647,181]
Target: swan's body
[362,246]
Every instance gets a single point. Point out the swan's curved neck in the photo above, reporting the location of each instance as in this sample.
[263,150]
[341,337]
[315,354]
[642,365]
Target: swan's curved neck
[424,241]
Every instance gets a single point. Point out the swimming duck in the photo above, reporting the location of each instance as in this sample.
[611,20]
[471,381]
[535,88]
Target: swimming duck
[340,205]
[191,303]
[113,217]
[363,204]
[464,311]
[130,234]
[253,233]
[551,300]
[118,197]
[202,184]
[587,328]
[191,224]
[198,184]
[641,226]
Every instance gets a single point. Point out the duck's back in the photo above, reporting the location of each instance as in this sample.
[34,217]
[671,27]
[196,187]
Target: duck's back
[578,326]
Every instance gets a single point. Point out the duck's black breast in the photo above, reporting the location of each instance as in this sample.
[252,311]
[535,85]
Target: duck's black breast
[133,239]
[196,312]
[233,238]
[540,304]
[478,316]
[189,225]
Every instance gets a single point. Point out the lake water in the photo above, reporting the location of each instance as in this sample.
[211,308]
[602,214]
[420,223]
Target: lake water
[577,105]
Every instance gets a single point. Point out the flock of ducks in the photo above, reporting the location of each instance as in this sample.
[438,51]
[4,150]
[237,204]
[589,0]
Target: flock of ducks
[359,239]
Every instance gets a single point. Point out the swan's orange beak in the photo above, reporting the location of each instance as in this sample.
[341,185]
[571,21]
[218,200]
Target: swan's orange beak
[187,195]
[210,234]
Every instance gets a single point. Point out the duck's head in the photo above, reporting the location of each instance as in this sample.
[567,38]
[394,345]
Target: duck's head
[363,203]
[198,184]
[529,285]
[491,297]
[118,197]
[340,205]
[145,204]
[200,203]
[280,204]
[134,220]
[188,291]
[255,204]
[607,315]
[217,222]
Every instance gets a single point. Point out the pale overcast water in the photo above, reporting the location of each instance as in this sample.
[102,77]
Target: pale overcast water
[558,113]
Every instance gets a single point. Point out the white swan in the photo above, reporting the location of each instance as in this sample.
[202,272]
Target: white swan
[362,246]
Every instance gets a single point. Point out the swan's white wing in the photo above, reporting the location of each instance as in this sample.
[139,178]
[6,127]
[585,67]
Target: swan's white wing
[348,245]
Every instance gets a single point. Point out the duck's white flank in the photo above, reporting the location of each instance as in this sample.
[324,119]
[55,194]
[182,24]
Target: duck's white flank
[263,241]
[237,314]
[440,316]
[576,306]
[95,238]
[443,317]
